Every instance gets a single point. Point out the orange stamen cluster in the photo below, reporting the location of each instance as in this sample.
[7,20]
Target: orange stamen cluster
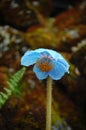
[44,65]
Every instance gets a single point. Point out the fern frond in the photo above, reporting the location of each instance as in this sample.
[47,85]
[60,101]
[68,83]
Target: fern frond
[8,91]
[4,96]
[14,80]
[1,100]
[13,84]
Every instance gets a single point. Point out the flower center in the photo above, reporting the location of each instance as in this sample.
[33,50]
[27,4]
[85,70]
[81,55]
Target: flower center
[45,64]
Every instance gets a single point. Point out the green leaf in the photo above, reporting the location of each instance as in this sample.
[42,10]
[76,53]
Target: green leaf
[13,83]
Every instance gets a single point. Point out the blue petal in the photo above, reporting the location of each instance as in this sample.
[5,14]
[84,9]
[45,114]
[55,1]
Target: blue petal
[65,63]
[29,58]
[40,74]
[50,52]
[54,54]
[58,71]
[40,50]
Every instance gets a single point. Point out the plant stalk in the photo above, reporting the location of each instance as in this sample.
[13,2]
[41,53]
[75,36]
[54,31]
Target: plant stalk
[48,103]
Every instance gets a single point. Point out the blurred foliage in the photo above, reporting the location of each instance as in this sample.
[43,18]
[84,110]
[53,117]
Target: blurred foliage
[65,33]
[20,13]
[62,32]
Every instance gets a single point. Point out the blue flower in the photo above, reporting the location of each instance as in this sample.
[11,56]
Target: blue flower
[47,63]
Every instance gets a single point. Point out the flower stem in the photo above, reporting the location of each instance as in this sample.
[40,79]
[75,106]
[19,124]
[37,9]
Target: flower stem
[48,103]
